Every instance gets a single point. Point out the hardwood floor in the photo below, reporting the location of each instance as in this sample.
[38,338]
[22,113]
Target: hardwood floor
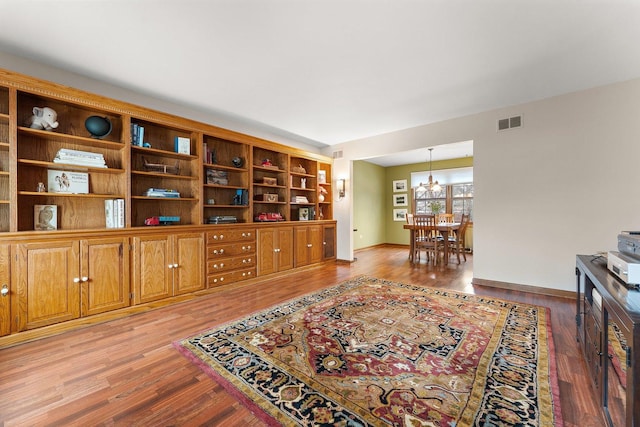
[126,372]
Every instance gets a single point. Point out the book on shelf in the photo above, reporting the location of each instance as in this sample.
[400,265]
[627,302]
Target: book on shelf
[120,213]
[80,158]
[162,192]
[137,134]
[209,154]
[182,145]
[114,213]
[109,214]
[299,199]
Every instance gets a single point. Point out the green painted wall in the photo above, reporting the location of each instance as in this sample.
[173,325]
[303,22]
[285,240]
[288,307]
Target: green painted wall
[369,204]
[373,199]
[394,231]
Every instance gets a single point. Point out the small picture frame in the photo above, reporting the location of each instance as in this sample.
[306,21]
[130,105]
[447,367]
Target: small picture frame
[400,200]
[399,214]
[303,214]
[322,177]
[45,217]
[182,145]
[399,185]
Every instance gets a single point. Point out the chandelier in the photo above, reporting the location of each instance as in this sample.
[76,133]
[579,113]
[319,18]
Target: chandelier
[431,186]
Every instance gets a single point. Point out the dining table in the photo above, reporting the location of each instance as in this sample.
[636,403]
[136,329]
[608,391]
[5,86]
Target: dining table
[444,228]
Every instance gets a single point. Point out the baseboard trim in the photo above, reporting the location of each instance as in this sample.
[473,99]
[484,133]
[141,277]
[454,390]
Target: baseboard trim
[523,288]
[379,245]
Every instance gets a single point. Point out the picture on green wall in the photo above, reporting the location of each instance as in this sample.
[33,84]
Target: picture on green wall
[399,214]
[399,185]
[400,200]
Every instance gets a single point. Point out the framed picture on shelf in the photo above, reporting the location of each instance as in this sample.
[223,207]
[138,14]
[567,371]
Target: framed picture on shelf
[322,177]
[45,217]
[303,214]
[399,214]
[400,200]
[399,185]
[182,145]
[67,182]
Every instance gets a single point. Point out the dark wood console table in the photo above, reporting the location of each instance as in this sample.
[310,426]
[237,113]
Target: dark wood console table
[608,330]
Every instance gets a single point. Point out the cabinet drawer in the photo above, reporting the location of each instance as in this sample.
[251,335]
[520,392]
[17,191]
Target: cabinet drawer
[231,249]
[214,280]
[226,264]
[230,236]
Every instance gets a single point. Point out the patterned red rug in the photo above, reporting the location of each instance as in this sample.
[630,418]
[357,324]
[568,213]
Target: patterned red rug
[370,352]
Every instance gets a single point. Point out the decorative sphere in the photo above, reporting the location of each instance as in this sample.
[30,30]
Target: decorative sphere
[98,127]
[237,162]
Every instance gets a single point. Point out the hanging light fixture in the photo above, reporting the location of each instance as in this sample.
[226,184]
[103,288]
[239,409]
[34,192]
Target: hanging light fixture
[431,186]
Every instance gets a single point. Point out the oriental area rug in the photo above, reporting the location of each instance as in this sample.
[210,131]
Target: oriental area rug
[371,352]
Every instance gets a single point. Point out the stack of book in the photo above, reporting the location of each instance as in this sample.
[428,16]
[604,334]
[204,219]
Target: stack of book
[137,134]
[299,199]
[209,154]
[162,192]
[114,213]
[80,158]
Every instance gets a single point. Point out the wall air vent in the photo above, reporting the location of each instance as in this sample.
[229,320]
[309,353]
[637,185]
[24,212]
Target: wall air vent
[510,123]
[337,154]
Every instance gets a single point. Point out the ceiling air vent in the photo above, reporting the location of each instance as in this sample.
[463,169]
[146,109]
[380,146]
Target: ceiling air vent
[510,123]
[337,154]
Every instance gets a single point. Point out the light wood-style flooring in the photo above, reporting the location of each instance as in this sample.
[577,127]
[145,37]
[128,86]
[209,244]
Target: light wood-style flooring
[127,373]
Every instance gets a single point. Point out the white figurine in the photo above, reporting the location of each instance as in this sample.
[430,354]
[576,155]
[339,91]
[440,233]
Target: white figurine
[43,118]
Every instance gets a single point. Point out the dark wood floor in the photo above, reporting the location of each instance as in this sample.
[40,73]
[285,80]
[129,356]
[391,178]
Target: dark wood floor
[126,372]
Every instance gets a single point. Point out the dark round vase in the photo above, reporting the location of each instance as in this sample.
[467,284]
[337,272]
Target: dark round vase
[98,127]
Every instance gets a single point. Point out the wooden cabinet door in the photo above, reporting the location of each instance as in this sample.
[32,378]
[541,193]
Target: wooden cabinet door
[329,242]
[308,245]
[5,298]
[301,246]
[285,248]
[104,271]
[266,251]
[316,239]
[152,268]
[47,283]
[188,263]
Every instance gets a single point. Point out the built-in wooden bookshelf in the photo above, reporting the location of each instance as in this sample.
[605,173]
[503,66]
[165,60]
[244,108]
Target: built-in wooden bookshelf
[213,187]
[223,174]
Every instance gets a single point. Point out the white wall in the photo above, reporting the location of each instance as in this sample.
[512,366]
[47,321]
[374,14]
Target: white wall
[220,119]
[564,183]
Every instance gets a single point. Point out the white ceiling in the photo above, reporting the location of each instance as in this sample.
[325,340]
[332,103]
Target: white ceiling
[330,71]
[455,150]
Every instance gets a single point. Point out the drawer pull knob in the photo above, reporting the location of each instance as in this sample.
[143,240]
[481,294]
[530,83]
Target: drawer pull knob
[5,290]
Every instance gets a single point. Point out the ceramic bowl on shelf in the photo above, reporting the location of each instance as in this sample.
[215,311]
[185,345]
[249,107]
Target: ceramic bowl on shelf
[98,127]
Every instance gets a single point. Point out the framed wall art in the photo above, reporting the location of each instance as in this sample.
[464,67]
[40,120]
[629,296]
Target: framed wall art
[399,185]
[399,214]
[400,200]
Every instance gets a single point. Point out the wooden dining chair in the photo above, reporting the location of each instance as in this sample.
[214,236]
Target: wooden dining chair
[445,217]
[456,238]
[409,218]
[426,238]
